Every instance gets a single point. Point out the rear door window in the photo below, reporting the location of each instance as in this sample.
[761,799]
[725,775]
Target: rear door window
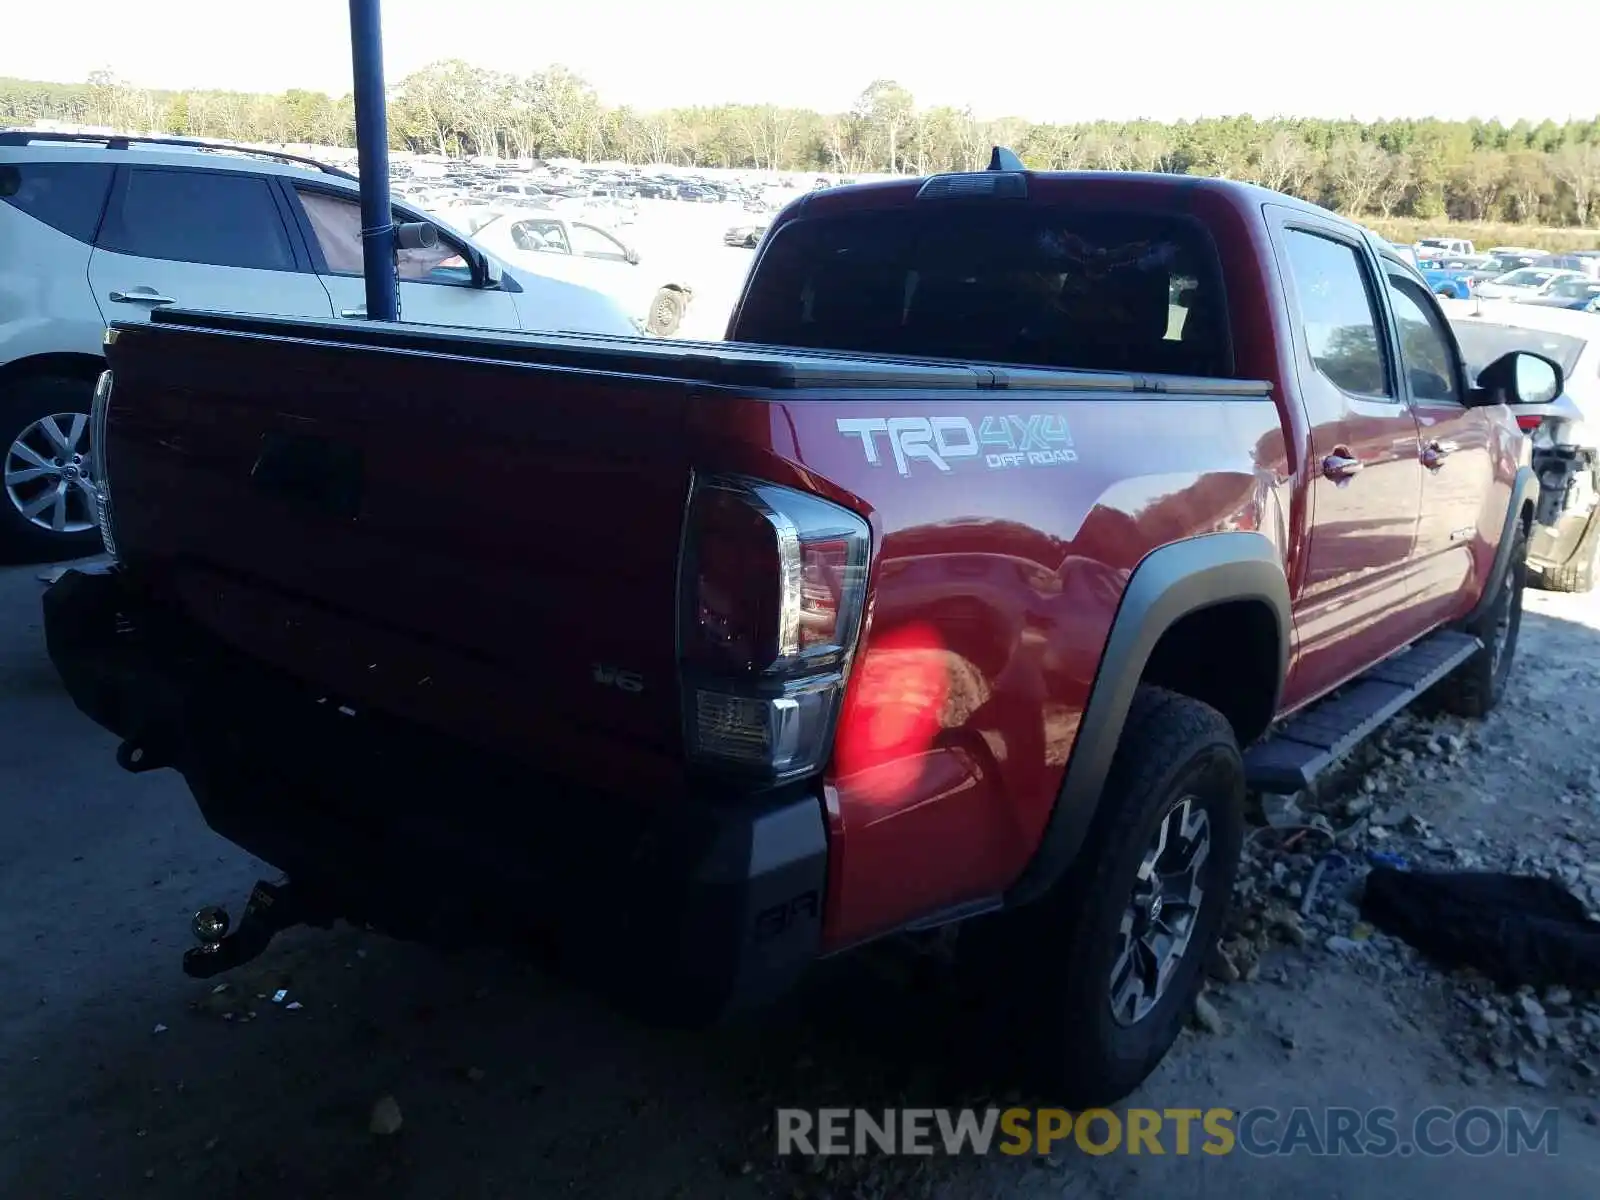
[198,216]
[1427,350]
[68,197]
[1107,291]
[1338,313]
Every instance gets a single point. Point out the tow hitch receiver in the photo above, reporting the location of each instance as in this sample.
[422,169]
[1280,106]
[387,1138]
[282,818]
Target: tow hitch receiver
[272,908]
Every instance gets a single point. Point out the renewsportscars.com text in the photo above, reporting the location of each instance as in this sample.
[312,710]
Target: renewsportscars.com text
[1263,1132]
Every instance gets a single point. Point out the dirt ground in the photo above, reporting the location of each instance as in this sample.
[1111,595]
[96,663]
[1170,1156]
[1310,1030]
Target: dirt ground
[121,1077]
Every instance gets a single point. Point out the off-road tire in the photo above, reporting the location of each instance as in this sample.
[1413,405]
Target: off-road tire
[1062,948]
[1579,573]
[20,406]
[666,312]
[1476,686]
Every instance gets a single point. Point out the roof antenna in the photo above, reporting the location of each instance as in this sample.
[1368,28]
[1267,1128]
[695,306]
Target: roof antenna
[1003,159]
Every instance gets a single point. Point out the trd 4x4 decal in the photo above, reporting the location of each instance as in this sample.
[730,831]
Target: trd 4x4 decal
[1031,440]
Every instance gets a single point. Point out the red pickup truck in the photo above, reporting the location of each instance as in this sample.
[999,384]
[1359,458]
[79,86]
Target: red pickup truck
[1023,523]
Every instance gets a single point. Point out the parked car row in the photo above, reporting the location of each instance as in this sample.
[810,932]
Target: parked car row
[1455,270]
[597,204]
[609,192]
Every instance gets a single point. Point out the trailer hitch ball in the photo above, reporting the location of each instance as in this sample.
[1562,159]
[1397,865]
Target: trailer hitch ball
[210,925]
[272,908]
[137,758]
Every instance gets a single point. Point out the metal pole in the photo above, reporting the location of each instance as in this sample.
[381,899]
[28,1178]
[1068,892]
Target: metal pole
[372,147]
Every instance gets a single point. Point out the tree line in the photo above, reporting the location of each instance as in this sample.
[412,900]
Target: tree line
[1544,174]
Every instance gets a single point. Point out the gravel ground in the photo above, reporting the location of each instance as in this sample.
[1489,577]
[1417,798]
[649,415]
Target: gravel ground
[121,1077]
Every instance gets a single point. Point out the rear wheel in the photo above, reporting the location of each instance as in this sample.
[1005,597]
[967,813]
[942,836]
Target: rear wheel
[1475,687]
[47,509]
[1107,966]
[666,312]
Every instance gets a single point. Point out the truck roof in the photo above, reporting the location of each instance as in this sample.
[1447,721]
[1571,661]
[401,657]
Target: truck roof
[1241,195]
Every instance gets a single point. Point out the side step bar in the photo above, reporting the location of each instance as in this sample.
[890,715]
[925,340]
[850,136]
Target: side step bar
[1290,758]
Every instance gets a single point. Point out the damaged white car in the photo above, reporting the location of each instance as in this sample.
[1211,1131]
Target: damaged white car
[1565,543]
[582,252]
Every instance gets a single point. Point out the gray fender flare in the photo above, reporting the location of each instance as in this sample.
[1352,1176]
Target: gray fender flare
[1169,584]
[1524,490]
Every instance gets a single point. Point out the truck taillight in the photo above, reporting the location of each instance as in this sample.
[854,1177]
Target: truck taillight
[773,584]
[98,410]
[1528,423]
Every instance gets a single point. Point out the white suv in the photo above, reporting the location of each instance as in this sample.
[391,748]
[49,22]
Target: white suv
[96,229]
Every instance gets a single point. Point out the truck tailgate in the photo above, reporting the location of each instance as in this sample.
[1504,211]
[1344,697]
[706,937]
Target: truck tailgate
[474,544]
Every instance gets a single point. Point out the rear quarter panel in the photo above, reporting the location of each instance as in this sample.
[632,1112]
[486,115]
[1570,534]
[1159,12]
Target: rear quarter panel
[994,586]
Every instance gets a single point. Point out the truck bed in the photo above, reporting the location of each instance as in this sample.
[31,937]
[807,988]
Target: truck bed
[481,533]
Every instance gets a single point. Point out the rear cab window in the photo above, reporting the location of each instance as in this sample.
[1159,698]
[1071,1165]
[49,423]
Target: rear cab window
[1040,286]
[1428,352]
[67,196]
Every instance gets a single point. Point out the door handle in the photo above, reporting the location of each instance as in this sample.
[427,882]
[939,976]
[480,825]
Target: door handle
[141,296]
[1434,454]
[1341,468]
[353,312]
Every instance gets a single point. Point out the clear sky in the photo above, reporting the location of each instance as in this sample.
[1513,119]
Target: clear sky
[1042,59]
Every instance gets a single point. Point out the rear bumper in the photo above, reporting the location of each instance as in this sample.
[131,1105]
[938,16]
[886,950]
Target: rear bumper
[704,907]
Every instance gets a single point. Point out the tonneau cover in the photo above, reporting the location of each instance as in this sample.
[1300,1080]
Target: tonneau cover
[719,364]
[726,364]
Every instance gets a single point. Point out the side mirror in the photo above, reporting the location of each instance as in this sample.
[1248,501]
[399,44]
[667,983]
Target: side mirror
[1521,377]
[493,273]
